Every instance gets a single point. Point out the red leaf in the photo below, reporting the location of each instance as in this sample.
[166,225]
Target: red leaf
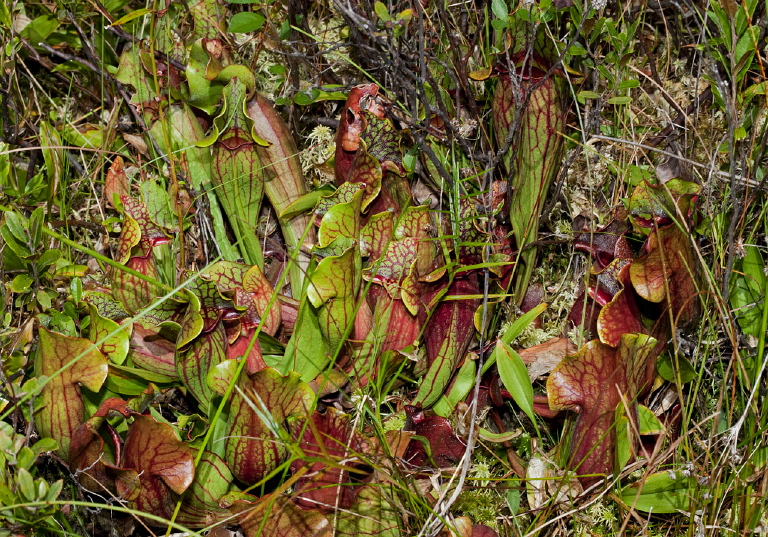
[149,233]
[377,161]
[195,360]
[134,293]
[658,205]
[150,349]
[352,125]
[447,336]
[592,382]
[667,272]
[584,314]
[621,315]
[63,409]
[446,448]
[116,182]
[332,441]
[394,329]
[250,290]
[164,463]
[279,517]
[252,447]
[86,452]
[239,347]
[605,244]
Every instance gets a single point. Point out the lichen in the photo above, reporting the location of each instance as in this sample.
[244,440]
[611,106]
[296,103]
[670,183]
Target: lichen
[320,145]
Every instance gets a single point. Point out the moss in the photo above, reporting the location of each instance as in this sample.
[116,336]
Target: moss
[480,501]
[598,519]
[395,422]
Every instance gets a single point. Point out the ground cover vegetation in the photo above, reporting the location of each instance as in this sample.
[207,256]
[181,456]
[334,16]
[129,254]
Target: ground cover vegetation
[383,268]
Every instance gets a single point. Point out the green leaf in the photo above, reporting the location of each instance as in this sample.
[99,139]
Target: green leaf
[130,387]
[660,493]
[536,161]
[342,218]
[21,283]
[115,338]
[462,384]
[13,244]
[185,134]
[202,94]
[44,445]
[620,100]
[577,50]
[761,88]
[44,298]
[54,490]
[130,16]
[381,12]
[18,226]
[76,289]
[159,205]
[149,376]
[285,183]
[302,99]
[36,223]
[499,9]
[514,330]
[747,291]
[306,202]
[628,84]
[40,28]
[307,352]
[647,422]
[49,257]
[238,173]
[333,290]
[53,156]
[667,366]
[201,502]
[514,375]
[245,22]
[26,484]
[588,95]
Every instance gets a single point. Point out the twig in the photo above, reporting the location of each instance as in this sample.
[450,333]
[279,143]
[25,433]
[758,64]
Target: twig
[721,174]
[679,122]
[92,226]
[122,34]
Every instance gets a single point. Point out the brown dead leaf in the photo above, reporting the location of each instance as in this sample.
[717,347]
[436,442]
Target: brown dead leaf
[138,143]
[398,442]
[464,527]
[544,481]
[543,358]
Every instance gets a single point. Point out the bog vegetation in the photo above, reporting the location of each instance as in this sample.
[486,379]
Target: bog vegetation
[383,268]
